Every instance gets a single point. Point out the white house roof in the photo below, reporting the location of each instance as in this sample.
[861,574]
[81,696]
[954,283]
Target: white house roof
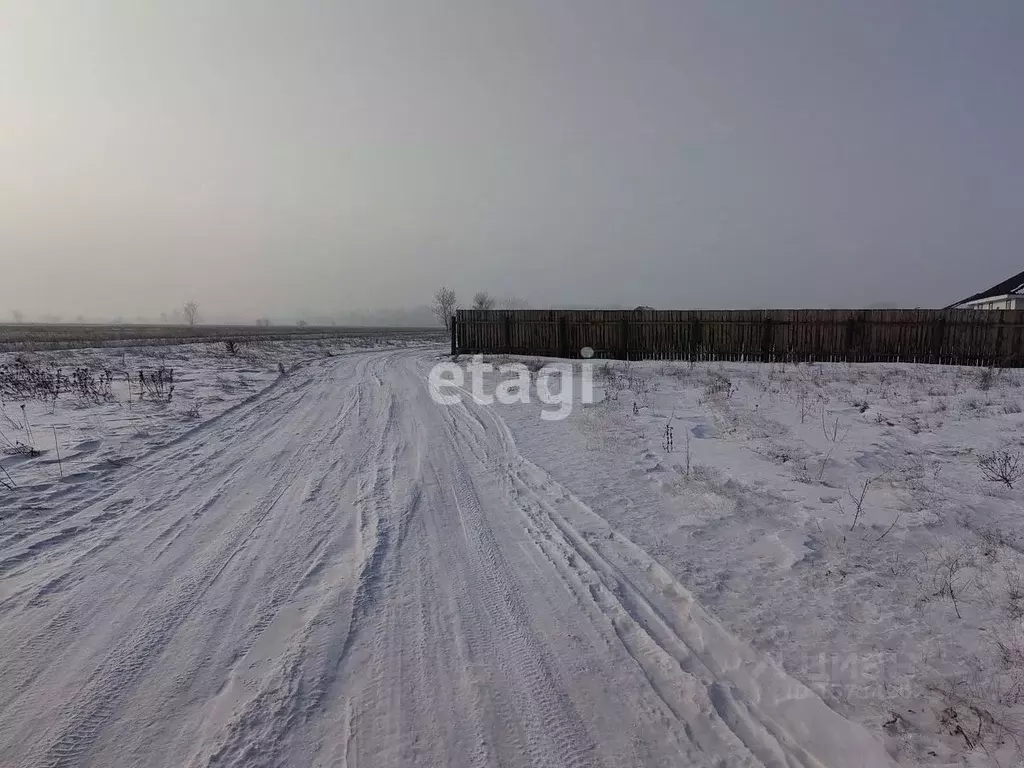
[1012,287]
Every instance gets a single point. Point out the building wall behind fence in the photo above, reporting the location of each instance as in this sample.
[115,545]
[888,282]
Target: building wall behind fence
[957,336]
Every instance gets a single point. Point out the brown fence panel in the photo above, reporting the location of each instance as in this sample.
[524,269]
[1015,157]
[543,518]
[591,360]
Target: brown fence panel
[958,336]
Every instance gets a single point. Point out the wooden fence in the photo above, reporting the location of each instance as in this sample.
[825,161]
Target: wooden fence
[956,336]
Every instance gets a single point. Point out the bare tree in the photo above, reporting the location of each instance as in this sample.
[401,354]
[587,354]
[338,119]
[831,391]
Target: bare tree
[483,300]
[444,306]
[191,312]
[18,316]
[513,302]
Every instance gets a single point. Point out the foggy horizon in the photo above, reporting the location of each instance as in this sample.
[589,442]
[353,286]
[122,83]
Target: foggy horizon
[309,160]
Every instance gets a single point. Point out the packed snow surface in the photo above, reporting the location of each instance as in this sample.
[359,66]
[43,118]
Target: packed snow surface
[335,570]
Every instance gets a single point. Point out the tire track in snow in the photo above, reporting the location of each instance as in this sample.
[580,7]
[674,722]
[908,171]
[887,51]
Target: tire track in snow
[82,718]
[345,573]
[95,702]
[76,500]
[678,646]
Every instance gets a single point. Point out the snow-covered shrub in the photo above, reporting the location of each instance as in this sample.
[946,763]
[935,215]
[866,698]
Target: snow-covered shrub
[718,386]
[1003,466]
[985,379]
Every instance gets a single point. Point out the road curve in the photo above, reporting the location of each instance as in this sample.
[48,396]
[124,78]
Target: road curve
[343,573]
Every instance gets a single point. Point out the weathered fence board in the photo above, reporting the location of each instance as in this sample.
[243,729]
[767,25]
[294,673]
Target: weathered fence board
[956,336]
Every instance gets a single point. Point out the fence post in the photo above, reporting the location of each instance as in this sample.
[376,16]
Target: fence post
[938,339]
[625,338]
[1000,358]
[854,341]
[767,339]
[452,325]
[696,337]
[563,337]
[508,333]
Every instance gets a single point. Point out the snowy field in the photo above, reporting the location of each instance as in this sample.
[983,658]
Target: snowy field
[87,410]
[21,337]
[847,520]
[296,557]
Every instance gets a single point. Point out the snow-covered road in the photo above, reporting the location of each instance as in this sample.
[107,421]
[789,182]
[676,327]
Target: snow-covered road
[341,572]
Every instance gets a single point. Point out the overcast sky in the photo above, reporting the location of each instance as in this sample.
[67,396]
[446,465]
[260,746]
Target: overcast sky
[269,156]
